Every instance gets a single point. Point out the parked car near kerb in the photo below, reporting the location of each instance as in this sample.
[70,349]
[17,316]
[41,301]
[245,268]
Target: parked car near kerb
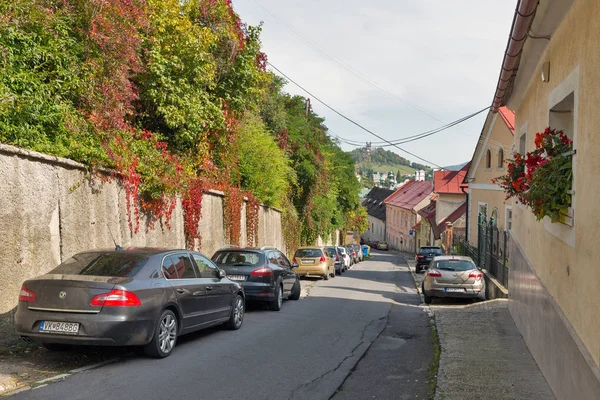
[128,297]
[265,273]
[358,250]
[338,259]
[453,276]
[352,253]
[314,261]
[346,257]
[425,255]
[382,246]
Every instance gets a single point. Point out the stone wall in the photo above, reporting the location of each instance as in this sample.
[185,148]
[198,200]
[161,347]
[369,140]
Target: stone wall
[50,209]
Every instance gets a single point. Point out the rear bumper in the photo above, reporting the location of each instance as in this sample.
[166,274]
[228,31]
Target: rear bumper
[338,266]
[467,294]
[312,270]
[259,291]
[94,329]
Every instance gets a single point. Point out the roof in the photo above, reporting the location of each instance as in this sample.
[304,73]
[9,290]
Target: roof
[428,211]
[452,218]
[373,202]
[508,116]
[410,194]
[450,181]
[461,258]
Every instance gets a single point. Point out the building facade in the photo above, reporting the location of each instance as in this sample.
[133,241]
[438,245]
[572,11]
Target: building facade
[376,214]
[554,275]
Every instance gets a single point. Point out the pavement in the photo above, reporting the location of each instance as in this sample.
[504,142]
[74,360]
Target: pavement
[483,355]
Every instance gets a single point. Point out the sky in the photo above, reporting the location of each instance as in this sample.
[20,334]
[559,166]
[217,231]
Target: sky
[397,67]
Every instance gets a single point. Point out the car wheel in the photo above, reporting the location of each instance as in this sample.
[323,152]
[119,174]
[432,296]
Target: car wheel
[417,269]
[165,336]
[481,296]
[295,291]
[57,346]
[326,276]
[333,273]
[276,304]
[237,314]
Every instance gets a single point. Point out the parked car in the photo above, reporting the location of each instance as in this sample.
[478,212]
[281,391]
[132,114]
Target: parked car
[425,255]
[347,258]
[265,273]
[453,276]
[352,253]
[375,244]
[338,259]
[131,297]
[359,252]
[314,261]
[382,246]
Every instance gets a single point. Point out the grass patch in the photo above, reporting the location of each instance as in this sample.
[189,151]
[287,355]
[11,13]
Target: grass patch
[435,363]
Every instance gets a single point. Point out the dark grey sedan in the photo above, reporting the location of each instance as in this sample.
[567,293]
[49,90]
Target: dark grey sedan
[138,296]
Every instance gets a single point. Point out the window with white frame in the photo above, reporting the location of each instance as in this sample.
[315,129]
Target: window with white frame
[500,157]
[508,218]
[523,143]
[488,159]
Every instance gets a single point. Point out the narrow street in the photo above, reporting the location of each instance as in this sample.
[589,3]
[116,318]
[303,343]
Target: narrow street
[362,335]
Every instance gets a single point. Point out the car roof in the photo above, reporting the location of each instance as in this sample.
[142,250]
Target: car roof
[460,258]
[146,251]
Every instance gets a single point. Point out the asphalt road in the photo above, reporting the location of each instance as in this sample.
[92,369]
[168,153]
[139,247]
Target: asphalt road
[361,335]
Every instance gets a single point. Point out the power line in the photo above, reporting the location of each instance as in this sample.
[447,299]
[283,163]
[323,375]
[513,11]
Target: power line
[344,65]
[350,120]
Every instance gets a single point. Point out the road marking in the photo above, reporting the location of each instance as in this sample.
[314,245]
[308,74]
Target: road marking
[53,378]
[92,366]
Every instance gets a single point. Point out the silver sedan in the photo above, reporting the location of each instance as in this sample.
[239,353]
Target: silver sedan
[453,276]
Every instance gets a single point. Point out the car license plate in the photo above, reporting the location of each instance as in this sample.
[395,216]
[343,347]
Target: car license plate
[69,328]
[308,261]
[455,290]
[237,277]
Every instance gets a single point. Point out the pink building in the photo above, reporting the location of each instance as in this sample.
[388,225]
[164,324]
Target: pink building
[401,213]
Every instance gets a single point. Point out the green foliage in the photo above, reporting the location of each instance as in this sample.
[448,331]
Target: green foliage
[264,167]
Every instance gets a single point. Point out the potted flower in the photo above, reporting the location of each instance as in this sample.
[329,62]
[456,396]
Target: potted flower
[542,179]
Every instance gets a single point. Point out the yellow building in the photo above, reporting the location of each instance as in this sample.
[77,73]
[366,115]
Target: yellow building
[551,77]
[485,198]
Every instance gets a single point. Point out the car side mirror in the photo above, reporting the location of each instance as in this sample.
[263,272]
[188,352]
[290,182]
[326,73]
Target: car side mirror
[222,274]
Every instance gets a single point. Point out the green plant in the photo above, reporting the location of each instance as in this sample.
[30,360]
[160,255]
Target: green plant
[542,179]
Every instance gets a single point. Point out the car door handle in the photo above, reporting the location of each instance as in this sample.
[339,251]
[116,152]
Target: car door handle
[181,291]
[209,288]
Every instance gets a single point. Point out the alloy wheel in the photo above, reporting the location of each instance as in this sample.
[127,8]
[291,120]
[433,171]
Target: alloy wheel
[280,296]
[238,311]
[167,334]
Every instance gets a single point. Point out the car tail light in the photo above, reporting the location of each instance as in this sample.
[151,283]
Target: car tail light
[337,258]
[294,260]
[434,272]
[322,259]
[476,274]
[26,295]
[263,271]
[420,256]
[116,298]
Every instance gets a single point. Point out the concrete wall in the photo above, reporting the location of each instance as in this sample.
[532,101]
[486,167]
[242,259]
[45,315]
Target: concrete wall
[50,210]
[376,230]
[494,197]
[446,203]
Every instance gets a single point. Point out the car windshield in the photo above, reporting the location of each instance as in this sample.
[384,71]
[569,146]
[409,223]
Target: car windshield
[454,265]
[431,250]
[308,253]
[237,258]
[118,264]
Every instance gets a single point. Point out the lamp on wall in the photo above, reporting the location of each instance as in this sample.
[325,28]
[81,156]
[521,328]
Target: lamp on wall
[546,72]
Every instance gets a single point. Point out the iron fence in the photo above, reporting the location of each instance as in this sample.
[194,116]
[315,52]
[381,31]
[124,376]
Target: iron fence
[492,252]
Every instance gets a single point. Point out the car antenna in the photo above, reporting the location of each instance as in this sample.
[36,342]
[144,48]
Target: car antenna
[117,247]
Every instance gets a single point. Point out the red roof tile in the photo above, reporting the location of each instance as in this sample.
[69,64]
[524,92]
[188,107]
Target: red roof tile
[410,194]
[450,181]
[508,116]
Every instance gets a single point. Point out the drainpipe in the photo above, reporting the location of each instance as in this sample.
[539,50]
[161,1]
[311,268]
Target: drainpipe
[524,14]
[467,216]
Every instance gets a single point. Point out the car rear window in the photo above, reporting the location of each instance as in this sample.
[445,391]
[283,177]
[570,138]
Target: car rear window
[308,253]
[432,250]
[118,264]
[331,251]
[454,265]
[240,258]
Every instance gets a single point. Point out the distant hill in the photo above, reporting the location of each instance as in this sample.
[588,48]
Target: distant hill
[381,160]
[456,167]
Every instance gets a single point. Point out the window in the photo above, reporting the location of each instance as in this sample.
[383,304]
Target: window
[522,143]
[508,217]
[488,158]
[283,261]
[183,266]
[500,157]
[119,264]
[205,267]
[307,253]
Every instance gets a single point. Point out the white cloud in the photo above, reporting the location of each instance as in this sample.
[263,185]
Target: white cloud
[440,55]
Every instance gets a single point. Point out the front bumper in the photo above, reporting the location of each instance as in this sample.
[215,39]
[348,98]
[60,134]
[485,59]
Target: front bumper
[94,329]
